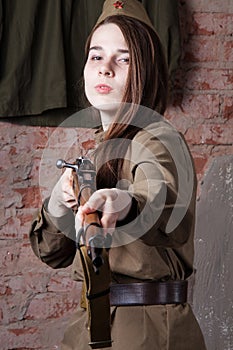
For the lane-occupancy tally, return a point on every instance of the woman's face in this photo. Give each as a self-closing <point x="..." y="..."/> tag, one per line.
<point x="106" y="69"/>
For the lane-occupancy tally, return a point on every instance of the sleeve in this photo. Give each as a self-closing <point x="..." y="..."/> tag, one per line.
<point x="53" y="239"/>
<point x="163" y="185"/>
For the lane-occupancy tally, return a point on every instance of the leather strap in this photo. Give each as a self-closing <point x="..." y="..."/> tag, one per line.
<point x="149" y="293"/>
<point x="96" y="299"/>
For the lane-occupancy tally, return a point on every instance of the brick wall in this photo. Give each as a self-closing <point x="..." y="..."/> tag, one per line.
<point x="36" y="301"/>
<point x="202" y="101"/>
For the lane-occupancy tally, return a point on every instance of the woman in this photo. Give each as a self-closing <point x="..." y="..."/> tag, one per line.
<point x="145" y="191"/>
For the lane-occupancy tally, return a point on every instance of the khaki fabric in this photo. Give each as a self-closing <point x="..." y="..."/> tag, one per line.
<point x="42" y="54"/>
<point x="42" y="48"/>
<point x="143" y="249"/>
<point x="164" y="15"/>
<point x="130" y="8"/>
<point x="158" y="327"/>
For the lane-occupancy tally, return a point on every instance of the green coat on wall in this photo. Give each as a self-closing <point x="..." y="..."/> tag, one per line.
<point x="42" y="50"/>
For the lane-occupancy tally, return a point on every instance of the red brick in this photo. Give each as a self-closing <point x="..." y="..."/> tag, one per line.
<point x="25" y="216"/>
<point x="212" y="134"/>
<point x="31" y="138"/>
<point x="31" y="197"/>
<point x="27" y="261"/>
<point x="218" y="150"/>
<point x="223" y="23"/>
<point x="8" y="133"/>
<point x="34" y="171"/>
<point x="202" y="49"/>
<point x="5" y="163"/>
<point x="27" y="282"/>
<point x="207" y="105"/>
<point x="3" y="219"/>
<point x="89" y="144"/>
<point x="62" y="138"/>
<point x="16" y="222"/>
<point x="184" y="115"/>
<point x="1" y="315"/>
<point x="228" y="107"/>
<point x="210" y="6"/>
<point x="17" y="256"/>
<point x="61" y="283"/>
<point x="20" y="331"/>
<point x="50" y="305"/>
<point x="11" y="229"/>
<point x="227" y="50"/>
<point x="13" y="307"/>
<point x="209" y="79"/>
<point x="217" y="24"/>
<point x="9" y="255"/>
<point x="200" y="163"/>
<point x="203" y="24"/>
<point x="13" y="198"/>
<point x="25" y="335"/>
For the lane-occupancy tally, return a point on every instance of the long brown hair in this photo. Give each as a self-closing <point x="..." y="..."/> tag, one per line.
<point x="147" y="85"/>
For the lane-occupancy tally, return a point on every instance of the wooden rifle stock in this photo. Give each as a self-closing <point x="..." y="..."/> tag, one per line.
<point x="84" y="186"/>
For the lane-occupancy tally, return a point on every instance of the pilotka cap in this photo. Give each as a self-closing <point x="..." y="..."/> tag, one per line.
<point x="130" y="8"/>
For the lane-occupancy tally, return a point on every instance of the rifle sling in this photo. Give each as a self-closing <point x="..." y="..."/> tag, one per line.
<point x="96" y="300"/>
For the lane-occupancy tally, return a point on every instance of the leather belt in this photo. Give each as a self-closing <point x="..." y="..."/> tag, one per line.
<point x="148" y="293"/>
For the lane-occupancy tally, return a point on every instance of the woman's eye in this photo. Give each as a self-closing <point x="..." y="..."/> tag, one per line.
<point x="124" y="60"/>
<point x="96" y="58"/>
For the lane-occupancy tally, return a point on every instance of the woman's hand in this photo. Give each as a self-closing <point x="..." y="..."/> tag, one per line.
<point x="62" y="197"/>
<point x="113" y="203"/>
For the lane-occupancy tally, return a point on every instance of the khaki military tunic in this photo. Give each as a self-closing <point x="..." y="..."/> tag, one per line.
<point x="157" y="244"/>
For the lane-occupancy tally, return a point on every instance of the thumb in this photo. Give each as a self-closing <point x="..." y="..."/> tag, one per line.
<point x="79" y="221"/>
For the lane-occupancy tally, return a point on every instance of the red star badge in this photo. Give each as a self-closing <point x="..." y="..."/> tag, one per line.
<point x="118" y="4"/>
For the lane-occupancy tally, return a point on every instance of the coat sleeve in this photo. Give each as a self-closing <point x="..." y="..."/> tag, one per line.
<point x="53" y="239"/>
<point x="163" y="184"/>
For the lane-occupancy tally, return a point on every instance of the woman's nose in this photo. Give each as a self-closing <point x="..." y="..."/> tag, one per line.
<point x="106" y="70"/>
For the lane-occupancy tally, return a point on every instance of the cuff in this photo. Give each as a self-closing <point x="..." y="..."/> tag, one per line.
<point x="132" y="214"/>
<point x="64" y="224"/>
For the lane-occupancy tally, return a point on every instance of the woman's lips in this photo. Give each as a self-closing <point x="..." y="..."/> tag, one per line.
<point x="103" y="88"/>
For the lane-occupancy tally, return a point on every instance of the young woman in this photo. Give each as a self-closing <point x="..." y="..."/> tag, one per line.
<point x="145" y="191"/>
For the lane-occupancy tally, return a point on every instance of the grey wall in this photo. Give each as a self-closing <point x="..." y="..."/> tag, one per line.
<point x="213" y="287"/>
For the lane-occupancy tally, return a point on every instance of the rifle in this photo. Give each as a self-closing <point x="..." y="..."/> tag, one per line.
<point x="94" y="257"/>
<point x="84" y="176"/>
